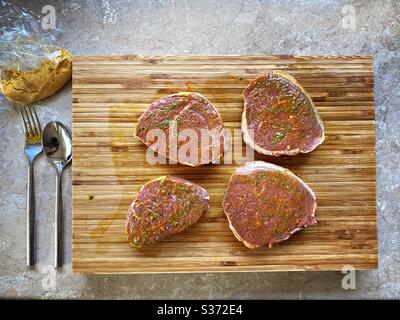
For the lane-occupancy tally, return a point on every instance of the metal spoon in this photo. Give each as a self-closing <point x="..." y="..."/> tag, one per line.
<point x="57" y="146"/>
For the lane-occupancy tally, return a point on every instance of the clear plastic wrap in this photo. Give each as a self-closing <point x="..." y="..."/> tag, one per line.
<point x="24" y="43"/>
<point x="31" y="66"/>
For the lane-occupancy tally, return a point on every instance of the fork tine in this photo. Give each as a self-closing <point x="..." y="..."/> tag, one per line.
<point x="30" y="120"/>
<point x="20" y="109"/>
<point x="36" y="121"/>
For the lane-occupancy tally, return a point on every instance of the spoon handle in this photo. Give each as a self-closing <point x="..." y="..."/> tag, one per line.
<point x="58" y="223"/>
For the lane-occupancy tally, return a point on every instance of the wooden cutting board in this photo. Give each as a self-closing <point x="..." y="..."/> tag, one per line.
<point x="109" y="166"/>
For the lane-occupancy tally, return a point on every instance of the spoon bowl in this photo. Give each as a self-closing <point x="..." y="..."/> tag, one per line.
<point x="57" y="144"/>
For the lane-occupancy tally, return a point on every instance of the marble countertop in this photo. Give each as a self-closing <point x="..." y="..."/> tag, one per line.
<point x="204" y="27"/>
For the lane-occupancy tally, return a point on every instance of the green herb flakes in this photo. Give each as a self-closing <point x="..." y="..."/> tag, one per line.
<point x="278" y="136"/>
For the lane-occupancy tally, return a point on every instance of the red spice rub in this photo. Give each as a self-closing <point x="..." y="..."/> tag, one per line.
<point x="281" y="115"/>
<point x="265" y="204"/>
<point x="180" y="111"/>
<point x="164" y="206"/>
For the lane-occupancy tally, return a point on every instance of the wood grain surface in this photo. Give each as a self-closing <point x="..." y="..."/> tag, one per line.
<point x="109" y="165"/>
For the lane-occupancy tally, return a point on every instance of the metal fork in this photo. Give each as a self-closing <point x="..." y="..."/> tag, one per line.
<point x="33" y="147"/>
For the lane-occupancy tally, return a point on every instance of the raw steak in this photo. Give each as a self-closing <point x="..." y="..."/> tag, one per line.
<point x="164" y="206"/>
<point x="281" y="116"/>
<point x="179" y="112"/>
<point x="266" y="204"/>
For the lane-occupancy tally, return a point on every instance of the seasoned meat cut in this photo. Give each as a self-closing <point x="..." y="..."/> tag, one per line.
<point x="279" y="117"/>
<point x="178" y="114"/>
<point x="164" y="206"/>
<point x="265" y="204"/>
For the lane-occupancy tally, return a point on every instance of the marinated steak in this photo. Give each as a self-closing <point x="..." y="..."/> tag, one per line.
<point x="265" y="204"/>
<point x="279" y="117"/>
<point x="185" y="117"/>
<point x="164" y="206"/>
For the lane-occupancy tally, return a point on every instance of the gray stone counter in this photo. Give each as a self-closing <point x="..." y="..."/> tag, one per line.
<point x="207" y="27"/>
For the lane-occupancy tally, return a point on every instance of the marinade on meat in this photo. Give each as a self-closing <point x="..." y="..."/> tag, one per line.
<point x="279" y="117"/>
<point x="265" y="204"/>
<point x="179" y="112"/>
<point x="164" y="206"/>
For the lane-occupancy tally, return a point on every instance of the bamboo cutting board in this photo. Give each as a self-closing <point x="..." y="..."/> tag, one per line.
<point x="109" y="166"/>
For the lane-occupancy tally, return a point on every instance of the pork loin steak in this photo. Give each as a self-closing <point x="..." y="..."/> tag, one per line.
<point x="266" y="204"/>
<point x="164" y="206"/>
<point x="279" y="117"/>
<point x="177" y="114"/>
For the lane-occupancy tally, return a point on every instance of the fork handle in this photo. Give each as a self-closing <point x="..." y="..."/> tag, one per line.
<point x="30" y="219"/>
<point x="58" y="222"/>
